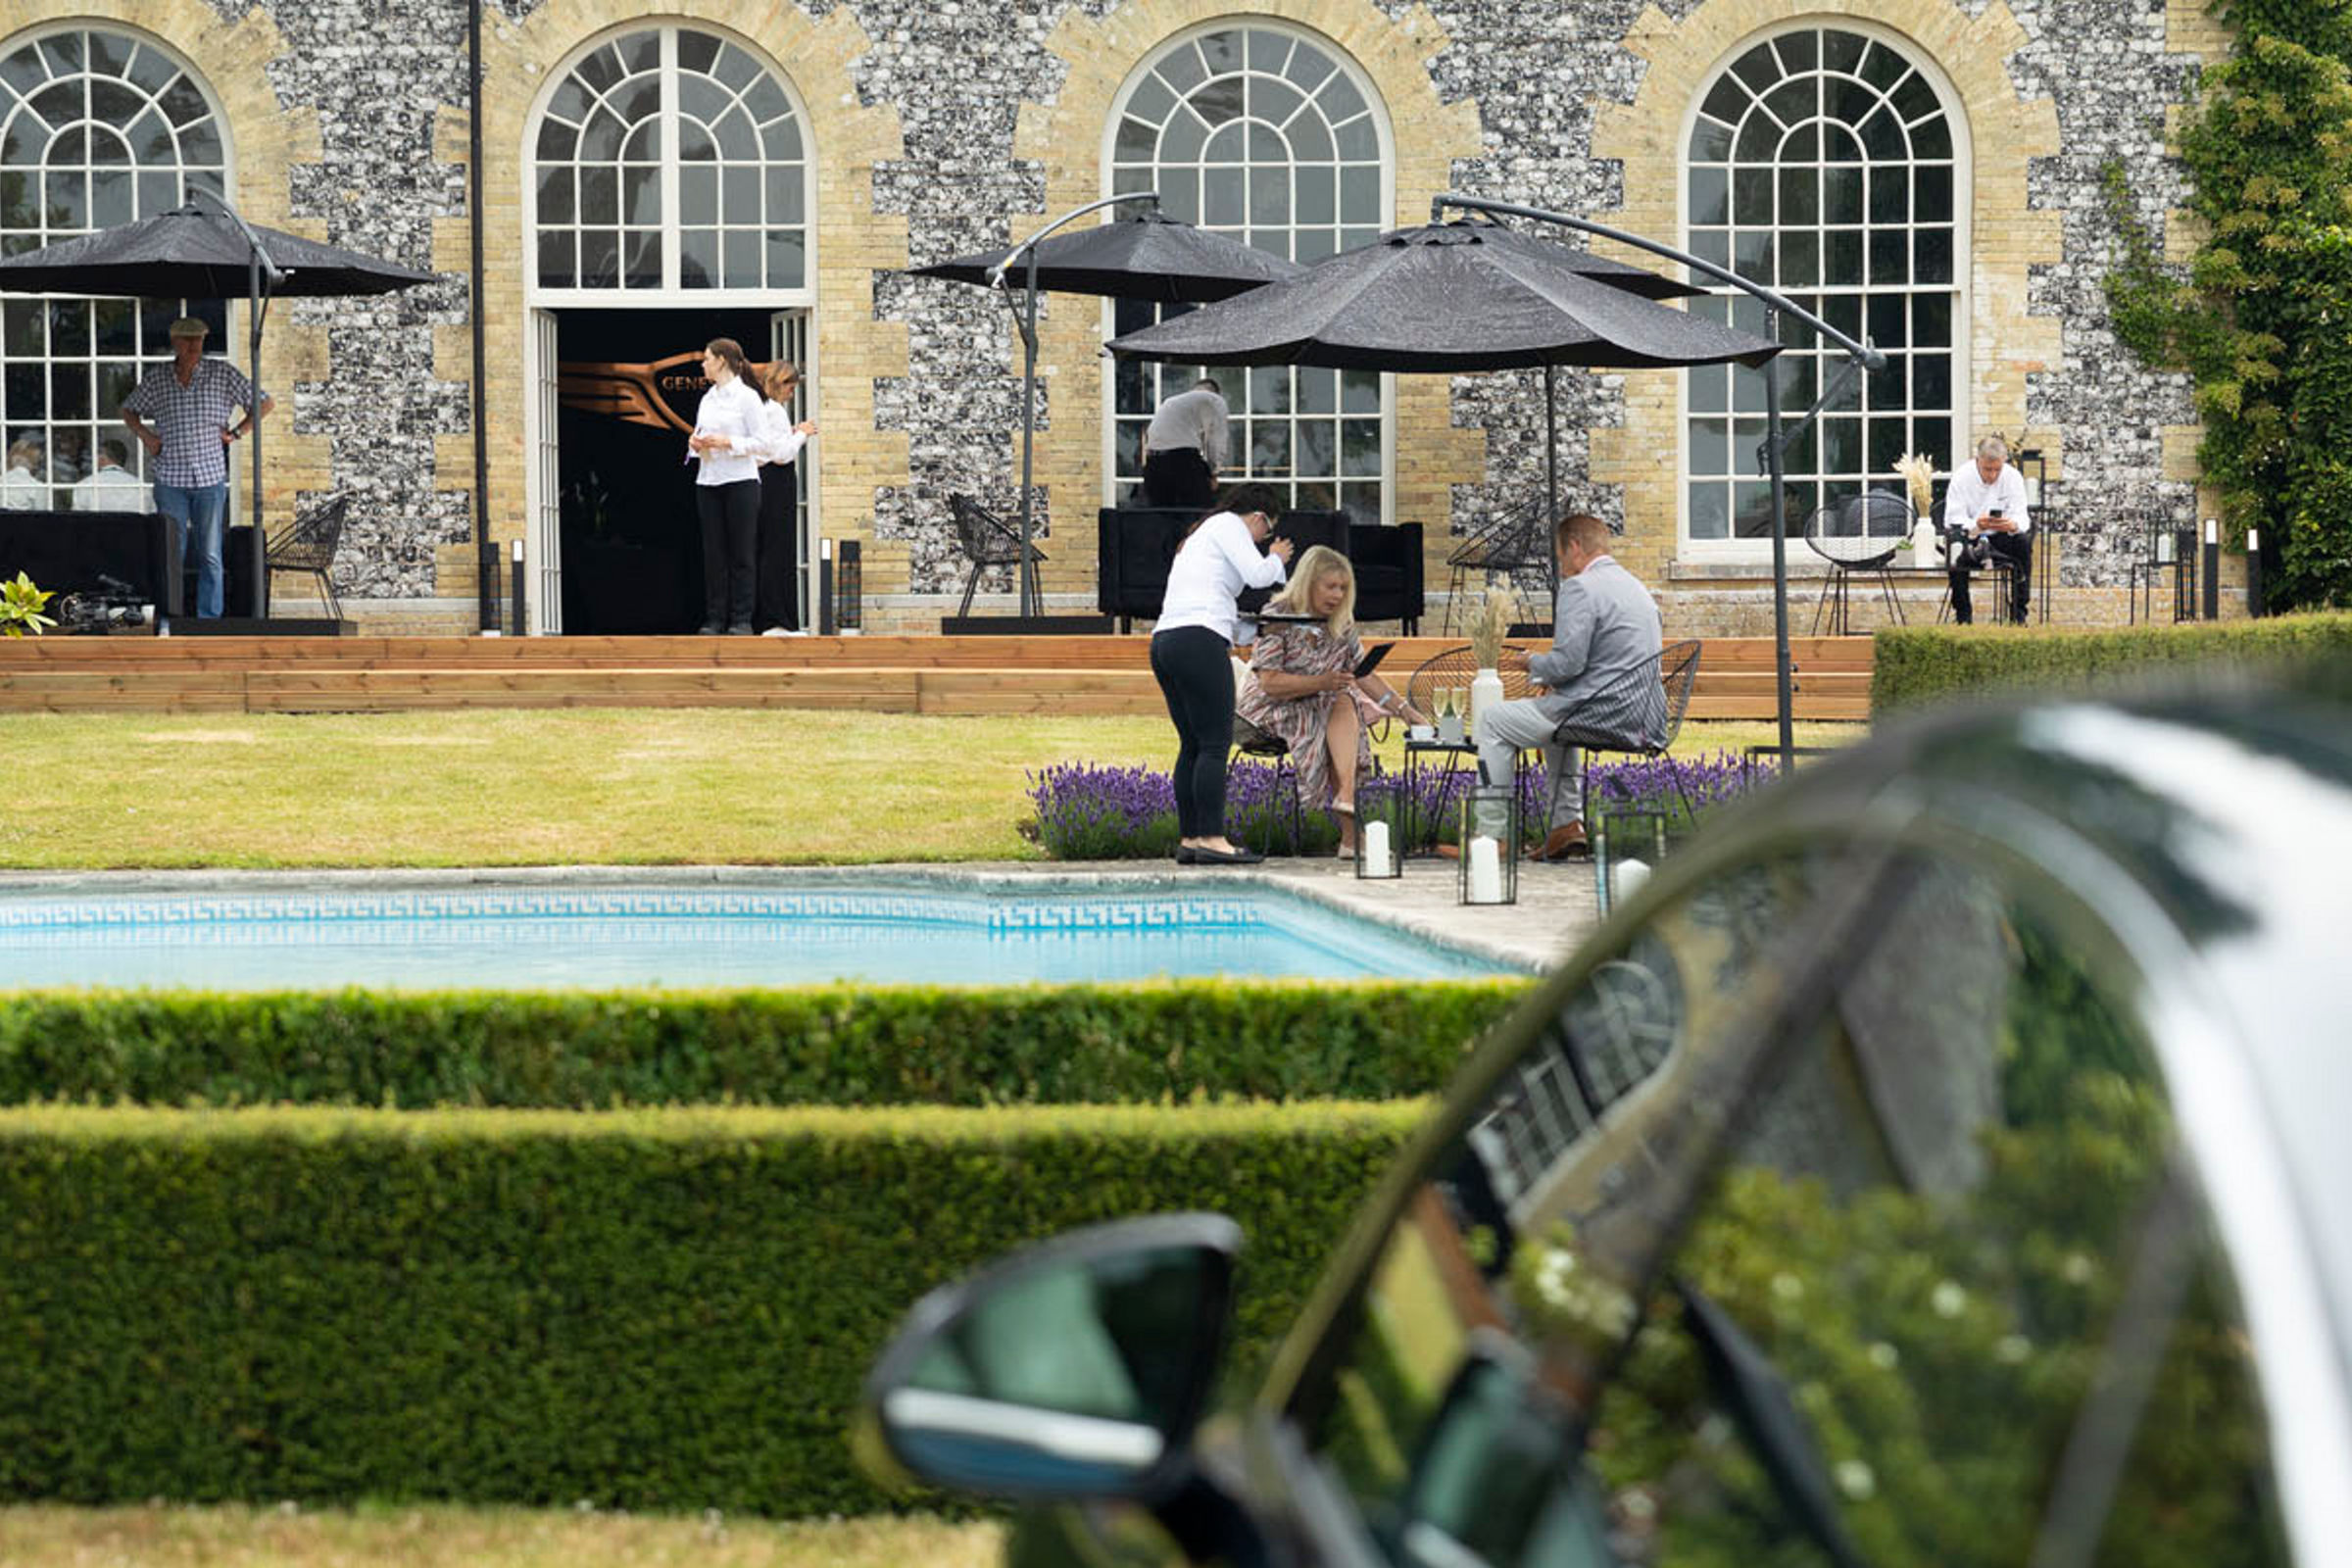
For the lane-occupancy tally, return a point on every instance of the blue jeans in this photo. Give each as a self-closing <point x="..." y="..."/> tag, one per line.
<point x="204" y="507"/>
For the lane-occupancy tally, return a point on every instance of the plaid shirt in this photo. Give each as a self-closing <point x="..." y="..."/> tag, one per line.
<point x="191" y="420"/>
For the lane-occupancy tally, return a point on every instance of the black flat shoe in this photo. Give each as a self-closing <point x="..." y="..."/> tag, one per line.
<point x="1226" y="857"/>
<point x="1186" y="855"/>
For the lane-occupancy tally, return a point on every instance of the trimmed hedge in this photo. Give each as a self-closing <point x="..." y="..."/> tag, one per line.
<point x="836" y="1045"/>
<point x="1913" y="665"/>
<point x="657" y="1310"/>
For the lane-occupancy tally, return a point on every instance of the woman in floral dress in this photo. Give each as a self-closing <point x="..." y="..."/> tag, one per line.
<point x="1301" y="686"/>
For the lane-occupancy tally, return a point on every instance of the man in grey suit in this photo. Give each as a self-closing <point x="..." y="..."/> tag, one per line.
<point x="1604" y="637"/>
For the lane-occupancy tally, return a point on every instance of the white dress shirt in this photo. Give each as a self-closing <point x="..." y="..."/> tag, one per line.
<point x="1969" y="497"/>
<point x="783" y="443"/>
<point x="111" y="489"/>
<point x="1208" y="574"/>
<point x="731" y="410"/>
<point x="20" y="491"/>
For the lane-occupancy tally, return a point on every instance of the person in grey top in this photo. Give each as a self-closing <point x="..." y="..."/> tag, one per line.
<point x="1605" y="632"/>
<point x="1185" y="447"/>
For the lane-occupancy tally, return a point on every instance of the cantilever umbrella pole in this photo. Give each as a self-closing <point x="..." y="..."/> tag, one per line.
<point x="261" y="272"/>
<point x="1777" y="304"/>
<point x="1032" y="598"/>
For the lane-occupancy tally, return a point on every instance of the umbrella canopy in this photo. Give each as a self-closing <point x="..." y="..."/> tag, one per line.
<point x="1617" y="274"/>
<point x="1146" y="256"/>
<point x="1450" y="297"/>
<point x="191" y="252"/>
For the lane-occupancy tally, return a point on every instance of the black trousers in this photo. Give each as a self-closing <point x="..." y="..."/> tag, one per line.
<point x="2013" y="550"/>
<point x="779" y="599"/>
<point x="1195" y="671"/>
<point x="730" y="514"/>
<point x="1179" y="478"/>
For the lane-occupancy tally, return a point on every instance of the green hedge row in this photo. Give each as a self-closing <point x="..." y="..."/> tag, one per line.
<point x="1919" y="665"/>
<point x="657" y="1310"/>
<point x="838" y="1045"/>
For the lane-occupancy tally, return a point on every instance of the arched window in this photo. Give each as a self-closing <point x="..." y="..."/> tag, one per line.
<point x="669" y="159"/>
<point x="1824" y="160"/>
<point x="1271" y="137"/>
<point x="96" y="128"/>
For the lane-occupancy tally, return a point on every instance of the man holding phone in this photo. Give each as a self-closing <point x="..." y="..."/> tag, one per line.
<point x="1986" y="504"/>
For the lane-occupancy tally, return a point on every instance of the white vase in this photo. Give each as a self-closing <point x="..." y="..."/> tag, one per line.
<point x="1485" y="692"/>
<point x="1926" y="549"/>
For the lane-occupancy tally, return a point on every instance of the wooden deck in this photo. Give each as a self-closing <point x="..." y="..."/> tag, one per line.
<point x="967" y="675"/>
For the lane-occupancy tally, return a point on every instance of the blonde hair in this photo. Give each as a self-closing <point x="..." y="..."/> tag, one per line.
<point x="26" y="452"/>
<point x="1319" y="562"/>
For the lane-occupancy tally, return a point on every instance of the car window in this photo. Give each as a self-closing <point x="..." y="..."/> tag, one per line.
<point x="1946" y="1296"/>
<point x="1437" y="1403"/>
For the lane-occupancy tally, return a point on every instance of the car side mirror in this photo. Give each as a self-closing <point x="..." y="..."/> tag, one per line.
<point x="1073" y="1369"/>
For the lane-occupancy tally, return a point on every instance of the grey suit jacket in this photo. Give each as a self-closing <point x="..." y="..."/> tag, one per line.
<point x="1604" y="638"/>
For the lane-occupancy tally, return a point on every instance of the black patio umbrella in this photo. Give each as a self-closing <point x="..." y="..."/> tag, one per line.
<point x="194" y="253"/>
<point x="1452" y="297"/>
<point x="1148" y="256"/>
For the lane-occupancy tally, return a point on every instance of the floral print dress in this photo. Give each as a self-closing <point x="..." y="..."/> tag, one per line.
<point x="1294" y="649"/>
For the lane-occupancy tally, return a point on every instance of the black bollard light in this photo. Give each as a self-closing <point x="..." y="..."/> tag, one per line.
<point x="2211" y="566"/>
<point x="2254" y="573"/>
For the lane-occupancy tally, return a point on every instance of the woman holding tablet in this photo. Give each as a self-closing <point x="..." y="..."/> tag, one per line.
<point x="1310" y="684"/>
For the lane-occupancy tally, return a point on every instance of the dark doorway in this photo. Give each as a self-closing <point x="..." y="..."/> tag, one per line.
<point x="632" y="548"/>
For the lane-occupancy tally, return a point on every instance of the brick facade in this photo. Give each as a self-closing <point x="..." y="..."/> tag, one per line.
<point x="937" y="129"/>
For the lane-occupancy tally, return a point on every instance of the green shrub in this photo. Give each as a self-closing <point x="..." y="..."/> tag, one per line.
<point x="648" y="1309"/>
<point x="835" y="1044"/>
<point x="1913" y="665"/>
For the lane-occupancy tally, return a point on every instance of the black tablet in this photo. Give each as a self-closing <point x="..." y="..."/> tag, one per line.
<point x="1371" y="659"/>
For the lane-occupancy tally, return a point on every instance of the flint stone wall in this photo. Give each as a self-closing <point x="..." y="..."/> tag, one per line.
<point x="957" y="75"/>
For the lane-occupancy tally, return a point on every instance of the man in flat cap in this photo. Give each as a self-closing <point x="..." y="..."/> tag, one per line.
<point x="201" y="407"/>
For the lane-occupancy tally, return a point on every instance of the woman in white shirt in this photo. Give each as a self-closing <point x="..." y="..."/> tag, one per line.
<point x="779" y="610"/>
<point x="1192" y="659"/>
<point x="730" y="440"/>
<point x="20" y="487"/>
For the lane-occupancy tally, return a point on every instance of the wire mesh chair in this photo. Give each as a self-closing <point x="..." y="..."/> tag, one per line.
<point x="309" y="544"/>
<point x="1517" y="539"/>
<point x="987" y="540"/>
<point x="1638" y="716"/>
<point x="1858" y="535"/>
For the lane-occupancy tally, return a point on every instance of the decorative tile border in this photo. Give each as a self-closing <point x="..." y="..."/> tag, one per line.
<point x="1128" y="913"/>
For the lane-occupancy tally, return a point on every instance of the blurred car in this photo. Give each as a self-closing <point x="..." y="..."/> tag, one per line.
<point x="1943" y="1161"/>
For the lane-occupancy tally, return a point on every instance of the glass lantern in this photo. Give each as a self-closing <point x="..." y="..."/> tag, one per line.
<point x="1489" y="842"/>
<point x="1383" y="829"/>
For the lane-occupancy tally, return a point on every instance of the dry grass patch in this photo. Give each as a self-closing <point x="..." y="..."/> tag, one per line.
<point x="38" y="1537"/>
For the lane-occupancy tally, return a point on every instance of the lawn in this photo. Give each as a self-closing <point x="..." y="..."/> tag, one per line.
<point x="581" y="786"/>
<point x="174" y="1537"/>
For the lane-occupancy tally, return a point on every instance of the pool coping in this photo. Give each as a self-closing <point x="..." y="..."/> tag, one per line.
<point x="1408" y="906"/>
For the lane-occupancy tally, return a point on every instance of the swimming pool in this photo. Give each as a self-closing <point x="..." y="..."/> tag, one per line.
<point x="902" y="929"/>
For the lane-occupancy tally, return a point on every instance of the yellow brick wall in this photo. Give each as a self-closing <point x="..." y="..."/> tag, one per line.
<point x="850" y="239"/>
<point x="1067" y="137"/>
<point x="265" y="143"/>
<point x="2003" y="133"/>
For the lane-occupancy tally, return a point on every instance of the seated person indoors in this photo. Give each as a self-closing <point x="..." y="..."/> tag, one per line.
<point x="1988" y="499"/>
<point x="111" y="487"/>
<point x="1301" y="686"/>
<point x="21" y="488"/>
<point x="1601" y="669"/>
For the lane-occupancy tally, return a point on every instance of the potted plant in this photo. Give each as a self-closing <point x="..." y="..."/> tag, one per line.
<point x="1920" y="479"/>
<point x="21" y="606"/>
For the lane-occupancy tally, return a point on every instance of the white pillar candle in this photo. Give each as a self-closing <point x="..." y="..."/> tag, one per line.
<point x="1376" y="848"/>
<point x="1630" y="874"/>
<point x="1485" y="870"/>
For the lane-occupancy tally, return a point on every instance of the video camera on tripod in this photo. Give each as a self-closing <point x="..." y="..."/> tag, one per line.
<point x="115" y="606"/>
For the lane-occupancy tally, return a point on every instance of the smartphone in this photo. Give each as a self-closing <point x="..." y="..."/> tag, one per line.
<point x="1371" y="659"/>
<point x="1997" y="512"/>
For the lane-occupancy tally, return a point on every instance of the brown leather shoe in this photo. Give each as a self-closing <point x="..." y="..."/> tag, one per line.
<point x="1450" y="851"/>
<point x="1567" y="841"/>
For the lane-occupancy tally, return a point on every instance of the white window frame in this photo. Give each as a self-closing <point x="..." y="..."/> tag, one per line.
<point x="669" y="294"/>
<point x="145" y="353"/>
<point x="1736" y="550"/>
<point x="1171" y="378"/>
